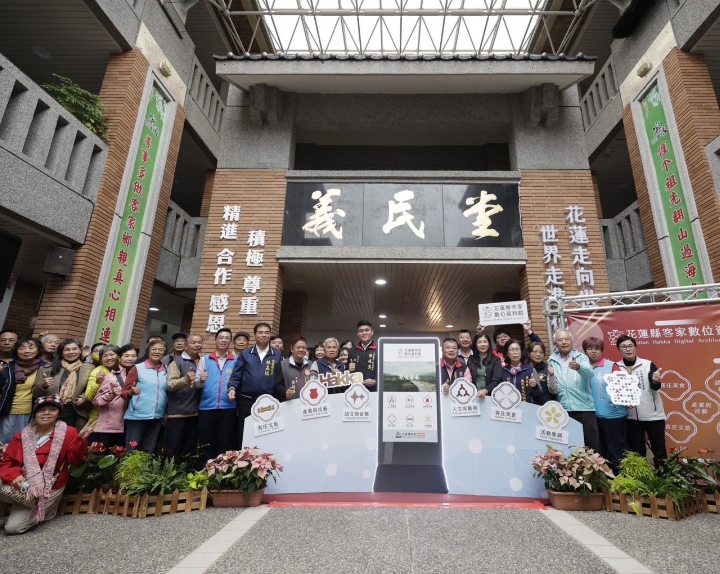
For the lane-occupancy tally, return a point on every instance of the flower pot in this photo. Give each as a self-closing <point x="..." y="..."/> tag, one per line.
<point x="574" y="501"/>
<point x="236" y="498"/>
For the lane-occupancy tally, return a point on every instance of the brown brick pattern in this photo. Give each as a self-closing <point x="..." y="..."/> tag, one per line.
<point x="153" y="255"/>
<point x="23" y="307"/>
<point x="293" y="315"/>
<point x="544" y="195"/>
<point x="207" y="194"/>
<point x="646" y="213"/>
<point x="261" y="195"/>
<point x="67" y="303"/>
<point x="698" y="123"/>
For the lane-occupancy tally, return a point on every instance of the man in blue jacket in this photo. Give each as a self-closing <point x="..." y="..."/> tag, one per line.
<point x="257" y="372"/>
<point x="217" y="414"/>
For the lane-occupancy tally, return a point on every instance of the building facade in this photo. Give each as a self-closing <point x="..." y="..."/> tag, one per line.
<point x="265" y="185"/>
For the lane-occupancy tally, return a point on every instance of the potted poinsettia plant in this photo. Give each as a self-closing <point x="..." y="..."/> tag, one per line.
<point x="239" y="477"/>
<point x="576" y="481"/>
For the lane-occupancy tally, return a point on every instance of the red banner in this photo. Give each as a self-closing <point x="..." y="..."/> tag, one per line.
<point x="683" y="340"/>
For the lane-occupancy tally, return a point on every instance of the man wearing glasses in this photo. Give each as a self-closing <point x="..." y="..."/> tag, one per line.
<point x="649" y="416"/>
<point x="569" y="375"/>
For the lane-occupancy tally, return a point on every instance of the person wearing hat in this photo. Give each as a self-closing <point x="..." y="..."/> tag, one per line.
<point x="241" y="339"/>
<point x="179" y="339"/>
<point x="36" y="462"/>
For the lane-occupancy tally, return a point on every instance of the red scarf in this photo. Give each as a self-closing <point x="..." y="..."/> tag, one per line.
<point x="41" y="480"/>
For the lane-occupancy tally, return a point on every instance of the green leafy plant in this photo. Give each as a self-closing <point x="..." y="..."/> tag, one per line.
<point x="97" y="470"/>
<point x="145" y="473"/>
<point x="675" y="478"/>
<point x="198" y="480"/>
<point x="85" y="106"/>
<point x="247" y="470"/>
<point x="583" y="470"/>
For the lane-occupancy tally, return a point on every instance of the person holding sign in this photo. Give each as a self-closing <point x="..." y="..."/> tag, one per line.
<point x="649" y="416"/>
<point x="610" y="417"/>
<point x="485" y="367"/>
<point x="523" y="376"/>
<point x="569" y="376"/>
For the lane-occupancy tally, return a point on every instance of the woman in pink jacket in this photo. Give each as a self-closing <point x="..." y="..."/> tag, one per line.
<point x="110" y="427"/>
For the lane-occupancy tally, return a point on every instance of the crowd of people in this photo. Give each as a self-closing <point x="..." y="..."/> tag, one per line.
<point x="58" y="395"/>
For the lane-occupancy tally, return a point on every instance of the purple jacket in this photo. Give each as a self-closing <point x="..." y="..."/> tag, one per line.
<point x="111" y="407"/>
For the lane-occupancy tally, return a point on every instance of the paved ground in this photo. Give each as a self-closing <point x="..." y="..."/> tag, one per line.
<point x="691" y="545"/>
<point x="404" y="541"/>
<point x="367" y="540"/>
<point x="109" y="544"/>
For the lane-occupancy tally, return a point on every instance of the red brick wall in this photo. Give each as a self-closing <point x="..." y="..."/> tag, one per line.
<point x="544" y="195"/>
<point x="23" y="307"/>
<point x="261" y="195"/>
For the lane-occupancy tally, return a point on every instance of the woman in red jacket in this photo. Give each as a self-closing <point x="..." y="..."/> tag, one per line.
<point x="36" y="462"/>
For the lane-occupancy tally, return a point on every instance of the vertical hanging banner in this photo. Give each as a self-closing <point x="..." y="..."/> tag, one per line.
<point x="128" y="236"/>
<point x="674" y="204"/>
<point x="683" y="341"/>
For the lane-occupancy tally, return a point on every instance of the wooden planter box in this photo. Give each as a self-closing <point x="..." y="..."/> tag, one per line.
<point x="710" y="502"/>
<point x="653" y="506"/>
<point x="115" y="504"/>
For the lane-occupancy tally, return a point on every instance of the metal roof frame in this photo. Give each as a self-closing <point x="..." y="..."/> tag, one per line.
<point x="400" y="27"/>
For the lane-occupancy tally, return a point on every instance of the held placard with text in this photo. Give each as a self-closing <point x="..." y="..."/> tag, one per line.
<point x="684" y="341"/>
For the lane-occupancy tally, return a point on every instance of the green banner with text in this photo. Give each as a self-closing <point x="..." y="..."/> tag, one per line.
<point x="674" y="205"/>
<point x="124" y="259"/>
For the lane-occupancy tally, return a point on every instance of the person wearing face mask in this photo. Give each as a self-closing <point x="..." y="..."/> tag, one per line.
<point x="68" y="377"/>
<point x="145" y="390"/>
<point x="485" y="367"/>
<point x="16" y="385"/>
<point x="92" y="354"/>
<point x="110" y="427"/>
<point x="523" y="376"/>
<point x="181" y="426"/>
<point x="569" y="376"/>
<point x="108" y="363"/>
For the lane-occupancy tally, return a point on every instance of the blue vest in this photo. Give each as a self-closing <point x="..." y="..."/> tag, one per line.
<point x="150" y="404"/>
<point x="214" y="393"/>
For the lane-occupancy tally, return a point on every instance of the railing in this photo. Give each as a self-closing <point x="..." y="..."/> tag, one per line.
<point x="600" y="94"/>
<point x="183" y="234"/>
<point x="182" y="244"/>
<point x="623" y="234"/>
<point x="625" y="250"/>
<point x="35" y="128"/>
<point x="203" y="93"/>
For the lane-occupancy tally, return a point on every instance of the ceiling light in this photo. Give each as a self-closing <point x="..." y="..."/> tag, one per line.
<point x="449" y="326"/>
<point x="382" y="316"/>
<point x="380" y="281"/>
<point x="154" y="308"/>
<point x="383" y="326"/>
<point x="41" y="52"/>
